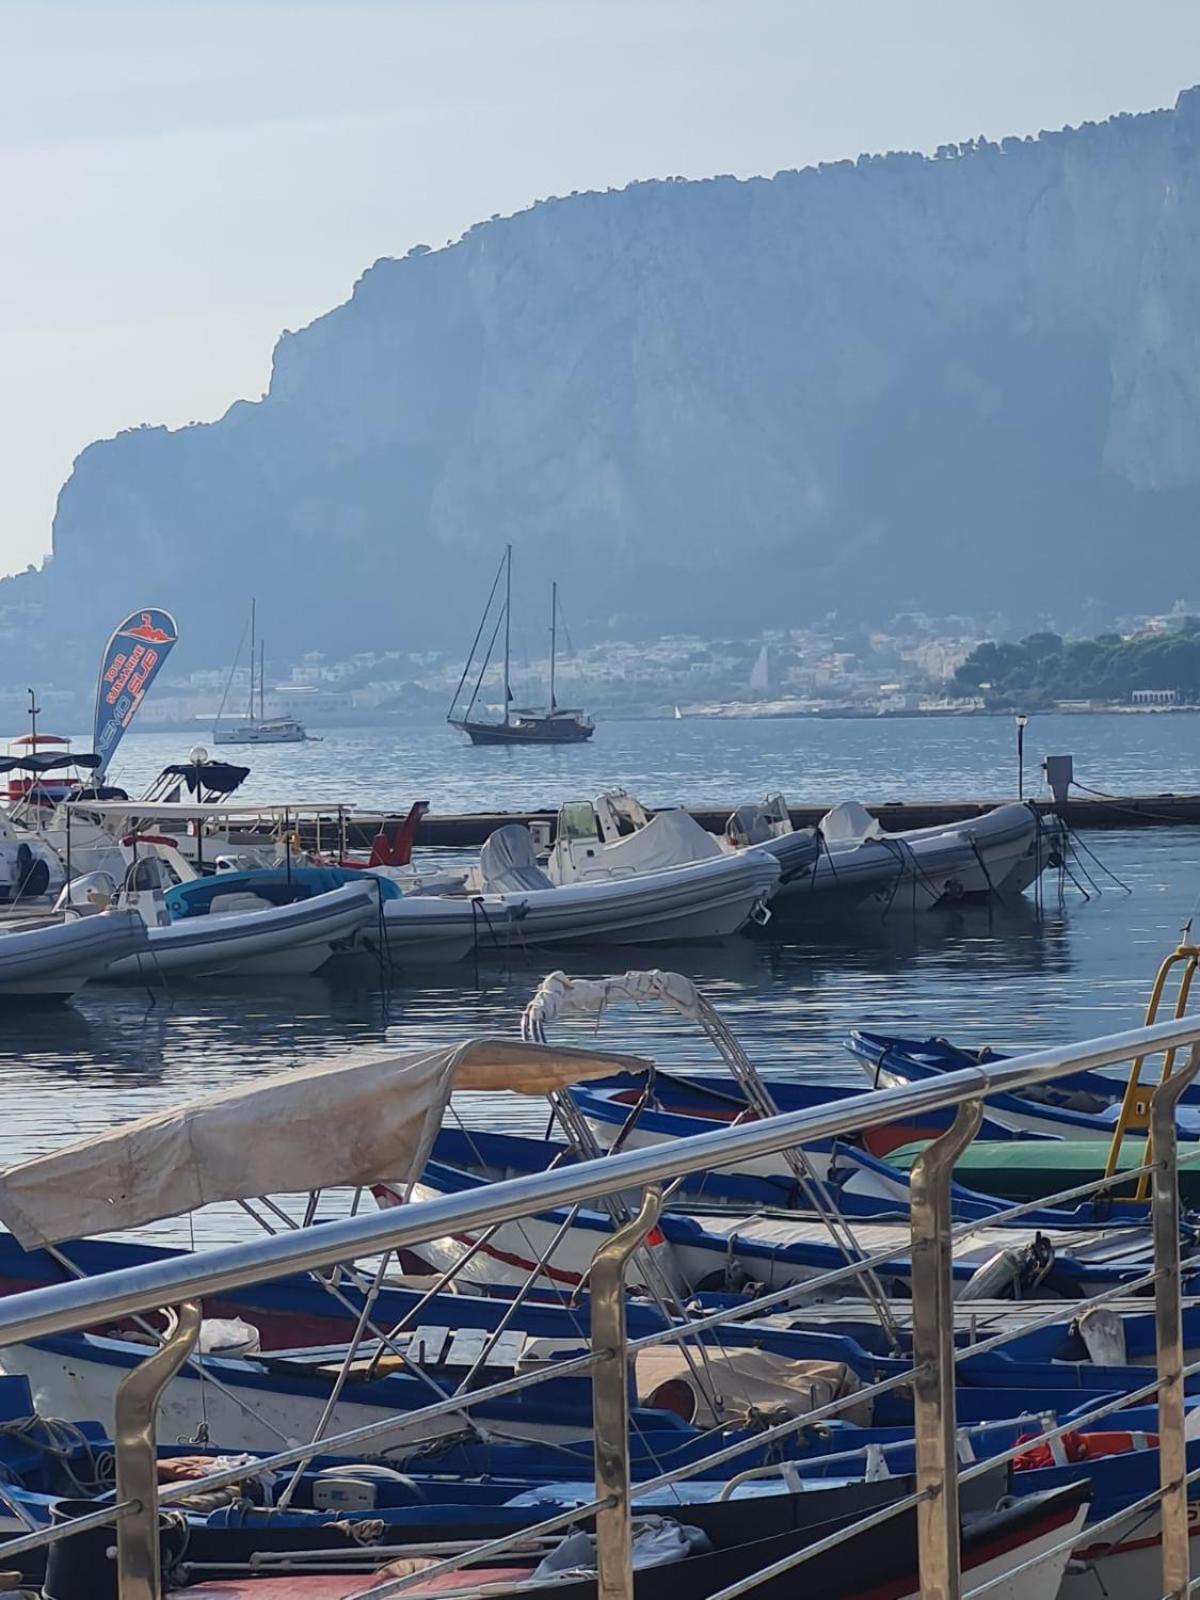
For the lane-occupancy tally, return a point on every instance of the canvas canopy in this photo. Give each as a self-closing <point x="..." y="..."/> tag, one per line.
<point x="337" y="1123"/>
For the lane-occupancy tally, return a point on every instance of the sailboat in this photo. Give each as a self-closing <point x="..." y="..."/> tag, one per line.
<point x="522" y="724"/>
<point x="260" y="729"/>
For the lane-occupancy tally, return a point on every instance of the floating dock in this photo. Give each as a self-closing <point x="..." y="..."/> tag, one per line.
<point x="469" y="830"/>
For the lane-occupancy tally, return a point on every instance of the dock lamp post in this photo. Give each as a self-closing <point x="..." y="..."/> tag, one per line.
<point x="1021" y="722"/>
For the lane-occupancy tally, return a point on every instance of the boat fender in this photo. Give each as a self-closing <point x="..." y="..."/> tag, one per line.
<point x="228" y="1335"/>
<point x="1103" y="1333"/>
<point x="876" y="1467"/>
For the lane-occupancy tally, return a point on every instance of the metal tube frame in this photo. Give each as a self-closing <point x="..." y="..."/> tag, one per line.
<point x="1168" y="1327"/>
<point x="933" y="1357"/>
<point x="135" y="1412"/>
<point x="610" y="1401"/>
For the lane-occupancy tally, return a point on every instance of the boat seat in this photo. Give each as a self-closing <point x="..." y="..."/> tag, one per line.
<point x="224" y="905"/>
<point x="508" y="861"/>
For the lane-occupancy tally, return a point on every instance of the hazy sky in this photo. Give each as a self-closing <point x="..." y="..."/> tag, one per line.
<point x="182" y="179"/>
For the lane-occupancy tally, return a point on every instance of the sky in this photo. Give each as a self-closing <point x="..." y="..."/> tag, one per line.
<point x="181" y="180"/>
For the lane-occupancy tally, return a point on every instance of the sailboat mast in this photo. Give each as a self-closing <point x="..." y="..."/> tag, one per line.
<point x="252" y="625"/>
<point x="507" y="625"/>
<point x="553" y="637"/>
<point x="262" y="680"/>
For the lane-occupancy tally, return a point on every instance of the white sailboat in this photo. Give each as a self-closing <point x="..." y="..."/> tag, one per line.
<point x="249" y="728"/>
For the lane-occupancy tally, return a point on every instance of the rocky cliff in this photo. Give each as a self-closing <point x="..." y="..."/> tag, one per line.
<point x="953" y="383"/>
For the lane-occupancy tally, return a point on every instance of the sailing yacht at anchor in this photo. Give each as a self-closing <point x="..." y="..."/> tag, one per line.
<point x="260" y="729"/>
<point x="522" y="724"/>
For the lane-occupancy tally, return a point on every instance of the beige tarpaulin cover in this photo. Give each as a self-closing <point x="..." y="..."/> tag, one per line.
<point x="338" y="1123"/>
<point x="745" y="1379"/>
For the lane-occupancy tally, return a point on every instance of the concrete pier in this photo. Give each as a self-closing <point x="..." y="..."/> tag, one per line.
<point x="469" y="830"/>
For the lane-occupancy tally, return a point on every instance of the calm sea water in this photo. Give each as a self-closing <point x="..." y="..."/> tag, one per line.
<point x="1080" y="966"/>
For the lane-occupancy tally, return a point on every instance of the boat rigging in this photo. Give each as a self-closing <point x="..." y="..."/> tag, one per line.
<point x="521" y="724"/>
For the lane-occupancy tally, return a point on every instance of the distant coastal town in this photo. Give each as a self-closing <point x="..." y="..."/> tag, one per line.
<point x="916" y="666"/>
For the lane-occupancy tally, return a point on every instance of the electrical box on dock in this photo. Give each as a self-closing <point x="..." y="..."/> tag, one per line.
<point x="1060" y="775"/>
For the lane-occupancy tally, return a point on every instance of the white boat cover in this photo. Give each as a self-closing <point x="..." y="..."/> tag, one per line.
<point x="849" y="824"/>
<point x="335" y="1123"/>
<point x="508" y="861"/>
<point x="669" y="839"/>
<point x="559" y="995"/>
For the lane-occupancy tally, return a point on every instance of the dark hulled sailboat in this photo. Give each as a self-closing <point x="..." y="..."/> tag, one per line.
<point x="522" y="724"/>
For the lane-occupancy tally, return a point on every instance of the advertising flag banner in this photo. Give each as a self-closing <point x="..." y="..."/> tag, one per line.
<point x="132" y="658"/>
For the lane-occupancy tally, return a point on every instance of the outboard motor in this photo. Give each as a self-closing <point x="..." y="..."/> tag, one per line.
<point x="1011" y="1273"/>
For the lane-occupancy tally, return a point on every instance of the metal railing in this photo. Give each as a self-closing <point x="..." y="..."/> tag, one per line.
<point x="175" y="1281"/>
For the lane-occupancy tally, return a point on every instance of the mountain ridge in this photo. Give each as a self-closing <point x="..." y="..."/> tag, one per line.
<point x="948" y="383"/>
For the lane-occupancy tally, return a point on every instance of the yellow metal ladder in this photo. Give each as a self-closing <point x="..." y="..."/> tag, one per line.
<point x="1135" y="1107"/>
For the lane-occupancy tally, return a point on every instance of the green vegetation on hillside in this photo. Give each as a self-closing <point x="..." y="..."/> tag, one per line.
<point x="1043" y="667"/>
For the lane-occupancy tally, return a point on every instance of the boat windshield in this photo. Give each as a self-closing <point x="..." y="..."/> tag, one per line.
<point x="577" y="822"/>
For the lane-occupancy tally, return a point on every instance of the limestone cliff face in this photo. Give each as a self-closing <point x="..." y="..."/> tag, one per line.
<point x="954" y="383"/>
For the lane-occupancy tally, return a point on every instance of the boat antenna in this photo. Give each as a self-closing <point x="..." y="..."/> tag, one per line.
<point x="553" y="638"/>
<point x="507" y="625"/>
<point x="478" y="635"/>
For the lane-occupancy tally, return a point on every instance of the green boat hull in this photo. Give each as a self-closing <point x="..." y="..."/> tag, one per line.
<point x="1016" y="1169"/>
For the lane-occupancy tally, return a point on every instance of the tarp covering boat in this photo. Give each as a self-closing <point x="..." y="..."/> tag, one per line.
<point x="325" y="1125"/>
<point x="669" y="839"/>
<point x="560" y="995"/>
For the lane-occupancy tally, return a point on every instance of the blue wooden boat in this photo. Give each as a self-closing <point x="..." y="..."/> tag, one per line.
<point x="1083" y="1106"/>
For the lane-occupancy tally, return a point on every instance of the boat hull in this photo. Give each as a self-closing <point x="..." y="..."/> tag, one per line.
<point x="78" y="1377"/>
<point x="279" y="941"/>
<point x="706" y="900"/>
<point x="54" y="961"/>
<point x="703" y="902"/>
<point x="540" y="732"/>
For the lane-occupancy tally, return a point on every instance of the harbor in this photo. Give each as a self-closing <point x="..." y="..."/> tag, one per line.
<point x="600" y="857"/>
<point x="775" y="1333"/>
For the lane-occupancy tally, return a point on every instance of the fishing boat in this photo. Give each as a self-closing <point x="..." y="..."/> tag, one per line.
<point x="802" y="1438"/>
<point x="553" y="724"/>
<point x="254" y="726"/>
<point x="342" y="1520"/>
<point x="1087" y="1107"/>
<point x="1017" y="1551"/>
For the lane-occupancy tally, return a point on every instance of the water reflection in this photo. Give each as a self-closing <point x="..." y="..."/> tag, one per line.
<point x="1010" y="977"/>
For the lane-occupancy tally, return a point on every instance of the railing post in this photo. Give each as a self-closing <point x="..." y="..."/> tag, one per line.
<point x="610" y="1400"/>
<point x="1168" y="1329"/>
<point x="135" y="1411"/>
<point x="933" y="1357"/>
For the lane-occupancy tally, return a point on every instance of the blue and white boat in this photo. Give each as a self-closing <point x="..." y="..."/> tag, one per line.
<point x="1084" y="1106"/>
